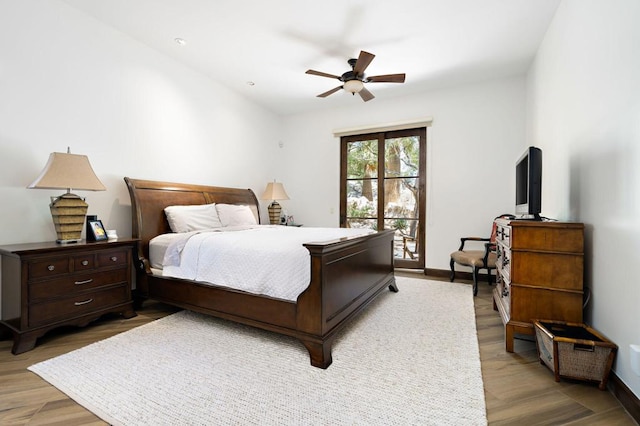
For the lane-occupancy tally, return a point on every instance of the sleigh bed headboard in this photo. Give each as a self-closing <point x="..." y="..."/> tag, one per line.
<point x="149" y="198"/>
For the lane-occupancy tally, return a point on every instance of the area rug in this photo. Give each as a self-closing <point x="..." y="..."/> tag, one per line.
<point x="410" y="358"/>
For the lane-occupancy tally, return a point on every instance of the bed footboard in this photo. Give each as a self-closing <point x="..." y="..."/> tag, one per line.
<point x="346" y="275"/>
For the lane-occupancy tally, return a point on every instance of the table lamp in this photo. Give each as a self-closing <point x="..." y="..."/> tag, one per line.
<point x="67" y="171"/>
<point x="275" y="191"/>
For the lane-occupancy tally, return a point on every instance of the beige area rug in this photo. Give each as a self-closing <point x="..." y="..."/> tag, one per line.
<point x="410" y="358"/>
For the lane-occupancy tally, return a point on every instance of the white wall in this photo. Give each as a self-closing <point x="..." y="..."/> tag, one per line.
<point x="583" y="110"/>
<point x="68" y="80"/>
<point x="477" y="134"/>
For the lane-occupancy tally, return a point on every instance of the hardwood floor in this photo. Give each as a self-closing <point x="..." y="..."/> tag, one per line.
<point x="518" y="389"/>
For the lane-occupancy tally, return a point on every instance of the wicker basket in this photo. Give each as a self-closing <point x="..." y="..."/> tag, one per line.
<point x="574" y="351"/>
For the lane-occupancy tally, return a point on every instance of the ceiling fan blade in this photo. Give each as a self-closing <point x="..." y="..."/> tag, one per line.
<point x="329" y="92"/>
<point x="321" y="74"/>
<point x="388" y="78"/>
<point x="363" y="62"/>
<point x="365" y="94"/>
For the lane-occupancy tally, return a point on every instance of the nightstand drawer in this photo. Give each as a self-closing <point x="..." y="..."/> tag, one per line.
<point x="84" y="262"/>
<point x="77" y="305"/>
<point x="113" y="258"/>
<point x="50" y="267"/>
<point x="75" y="283"/>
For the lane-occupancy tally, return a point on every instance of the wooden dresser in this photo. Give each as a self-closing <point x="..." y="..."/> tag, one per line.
<point x="48" y="285"/>
<point x="540" y="269"/>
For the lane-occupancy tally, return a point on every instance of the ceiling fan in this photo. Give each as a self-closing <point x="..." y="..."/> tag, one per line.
<point x="354" y="80"/>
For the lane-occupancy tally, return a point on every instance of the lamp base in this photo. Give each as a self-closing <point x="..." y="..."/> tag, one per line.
<point x="68" y="212"/>
<point x="274" y="213"/>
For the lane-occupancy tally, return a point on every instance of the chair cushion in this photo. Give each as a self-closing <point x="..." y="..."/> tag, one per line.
<point x="473" y="258"/>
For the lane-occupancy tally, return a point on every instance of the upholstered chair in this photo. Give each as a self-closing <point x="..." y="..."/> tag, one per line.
<point x="479" y="254"/>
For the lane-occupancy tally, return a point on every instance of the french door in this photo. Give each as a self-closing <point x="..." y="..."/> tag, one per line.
<point x="382" y="186"/>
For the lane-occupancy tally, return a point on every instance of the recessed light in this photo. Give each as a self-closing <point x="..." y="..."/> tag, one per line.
<point x="250" y="83"/>
<point x="180" y="41"/>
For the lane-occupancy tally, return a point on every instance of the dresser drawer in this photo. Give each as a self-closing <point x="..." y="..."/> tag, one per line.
<point x="75" y="283"/>
<point x="113" y="258"/>
<point x="76" y="305"/>
<point x="49" y="267"/>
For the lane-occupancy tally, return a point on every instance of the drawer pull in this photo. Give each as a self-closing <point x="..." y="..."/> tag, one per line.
<point x="83" y="282"/>
<point x="51" y="267"/>
<point x="114" y="258"/>
<point x="85" y="262"/>
<point x="83" y="302"/>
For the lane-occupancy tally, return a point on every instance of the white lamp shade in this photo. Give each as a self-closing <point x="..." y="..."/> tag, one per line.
<point x="67" y="171"/>
<point x="274" y="191"/>
<point x="353" y="86"/>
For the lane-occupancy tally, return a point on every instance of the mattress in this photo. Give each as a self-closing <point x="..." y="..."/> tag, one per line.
<point x="157" y="248"/>
<point x="268" y="260"/>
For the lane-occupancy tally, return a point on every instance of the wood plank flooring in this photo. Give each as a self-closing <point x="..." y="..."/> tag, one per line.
<point x="518" y="389"/>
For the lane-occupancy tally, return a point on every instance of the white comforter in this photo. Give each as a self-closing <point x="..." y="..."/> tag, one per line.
<point x="262" y="259"/>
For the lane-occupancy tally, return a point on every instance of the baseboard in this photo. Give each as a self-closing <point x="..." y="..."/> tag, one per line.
<point x="460" y="275"/>
<point x="438" y="273"/>
<point x="628" y="399"/>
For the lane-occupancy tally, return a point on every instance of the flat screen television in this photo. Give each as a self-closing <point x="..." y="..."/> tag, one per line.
<point x="529" y="184"/>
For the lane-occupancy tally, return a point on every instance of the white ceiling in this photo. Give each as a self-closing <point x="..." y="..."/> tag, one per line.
<point x="437" y="43"/>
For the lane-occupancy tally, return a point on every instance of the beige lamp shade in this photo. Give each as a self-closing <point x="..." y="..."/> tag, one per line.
<point x="68" y="171"/>
<point x="274" y="191"/>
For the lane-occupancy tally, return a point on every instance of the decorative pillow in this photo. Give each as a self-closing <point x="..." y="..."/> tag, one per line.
<point x="235" y="214"/>
<point x="192" y="218"/>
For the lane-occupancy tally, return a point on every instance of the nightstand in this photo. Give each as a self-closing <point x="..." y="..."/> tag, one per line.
<point x="48" y="285"/>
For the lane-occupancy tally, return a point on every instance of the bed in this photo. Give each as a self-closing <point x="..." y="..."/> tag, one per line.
<point x="346" y="274"/>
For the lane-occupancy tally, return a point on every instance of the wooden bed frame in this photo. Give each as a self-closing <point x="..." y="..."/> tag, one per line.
<point x="346" y="274"/>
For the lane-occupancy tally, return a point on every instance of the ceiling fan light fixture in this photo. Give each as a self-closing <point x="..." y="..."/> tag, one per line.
<point x="353" y="86"/>
<point x="354" y="80"/>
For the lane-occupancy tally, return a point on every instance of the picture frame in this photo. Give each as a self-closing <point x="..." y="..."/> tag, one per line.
<point x="96" y="231"/>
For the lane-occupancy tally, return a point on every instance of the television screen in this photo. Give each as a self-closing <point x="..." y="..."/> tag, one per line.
<point x="522" y="182"/>
<point x="529" y="184"/>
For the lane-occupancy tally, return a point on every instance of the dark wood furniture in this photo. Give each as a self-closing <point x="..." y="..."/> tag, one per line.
<point x="49" y="285"/>
<point x="540" y="274"/>
<point x="346" y="274"/>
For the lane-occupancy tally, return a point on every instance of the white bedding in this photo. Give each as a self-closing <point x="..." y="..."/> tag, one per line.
<point x="262" y="259"/>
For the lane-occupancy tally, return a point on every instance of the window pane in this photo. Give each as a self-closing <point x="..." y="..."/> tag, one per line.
<point x="362" y="198"/>
<point x="362" y="159"/>
<point x="362" y="223"/>
<point x="404" y="239"/>
<point x="402" y="156"/>
<point x="402" y="226"/>
<point x="401" y="198"/>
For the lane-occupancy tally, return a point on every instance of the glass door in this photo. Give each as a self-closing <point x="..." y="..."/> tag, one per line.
<point x="383" y="187"/>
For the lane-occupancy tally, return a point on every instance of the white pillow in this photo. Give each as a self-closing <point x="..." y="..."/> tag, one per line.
<point x="235" y="214"/>
<point x="192" y="218"/>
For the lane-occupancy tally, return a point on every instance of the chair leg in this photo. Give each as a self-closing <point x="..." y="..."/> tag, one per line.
<point x="453" y="272"/>
<point x="475" y="281"/>
<point x="489" y="276"/>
